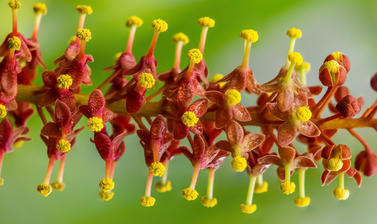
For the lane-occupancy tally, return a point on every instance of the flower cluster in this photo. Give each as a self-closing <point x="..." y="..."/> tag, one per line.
<point x="191" y="106"/>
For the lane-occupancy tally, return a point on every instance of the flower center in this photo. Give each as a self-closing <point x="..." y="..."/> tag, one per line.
<point x="303" y="114"/>
<point x="95" y="124"/>
<point x="233" y="96"/>
<point x="14" y="43"/>
<point x="64" y="81"/>
<point x="63" y="145"/>
<point x="195" y="56"/>
<point x="146" y="80"/>
<point x="189" y="119"/>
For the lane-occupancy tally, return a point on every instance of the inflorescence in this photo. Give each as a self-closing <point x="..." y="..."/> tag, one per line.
<point x="287" y="109"/>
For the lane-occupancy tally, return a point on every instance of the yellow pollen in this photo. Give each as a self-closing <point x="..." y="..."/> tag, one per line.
<point x="304" y="67"/>
<point x="84" y="9"/>
<point x="206" y="22"/>
<point x="248" y="209"/>
<point x="106" y="184"/>
<point x="249" y="35"/>
<point x="332" y="66"/>
<point x="295" y="58"/>
<point x="58" y="186"/>
<point x="73" y="39"/>
<point x="106" y="196"/>
<point x="181" y="37"/>
<point x="341" y="194"/>
<point x="190" y="194"/>
<point x="303" y="114"/>
<point x="134" y="21"/>
<point x="14" y="4"/>
<point x="40" y="8"/>
<point x="14" y="43"/>
<point x="95" y="124"/>
<point x="195" y="55"/>
<point x="189" y="119"/>
<point x="335" y="164"/>
<point x="159" y="25"/>
<point x="217" y="78"/>
<point x="233" y="97"/>
<point x="259" y="189"/>
<point x="157" y="169"/>
<point x="63" y="145"/>
<point x="117" y="56"/>
<point x="288" y="187"/>
<point x="160" y="187"/>
<point x="294" y="33"/>
<point x="146" y="80"/>
<point x="44" y="189"/>
<point x="84" y="34"/>
<point x="18" y="144"/>
<point x="209" y="203"/>
<point x="147" y="201"/>
<point x="302" y="202"/>
<point x="337" y="55"/>
<point x="1" y="181"/>
<point x="64" y="81"/>
<point x="239" y="164"/>
<point x="3" y="111"/>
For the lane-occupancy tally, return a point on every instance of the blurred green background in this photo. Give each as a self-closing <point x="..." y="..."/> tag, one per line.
<point x="341" y="25"/>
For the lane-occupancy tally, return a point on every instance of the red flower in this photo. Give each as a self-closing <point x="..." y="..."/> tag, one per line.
<point x="366" y="162"/>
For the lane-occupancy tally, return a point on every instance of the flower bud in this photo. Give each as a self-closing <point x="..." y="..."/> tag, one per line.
<point x="341" y="92"/>
<point x="349" y="106"/>
<point x="341" y="58"/>
<point x="332" y="73"/>
<point x="366" y="162"/>
<point x="373" y="82"/>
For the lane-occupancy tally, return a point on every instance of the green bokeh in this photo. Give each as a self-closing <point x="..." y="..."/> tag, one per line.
<point x="342" y="25"/>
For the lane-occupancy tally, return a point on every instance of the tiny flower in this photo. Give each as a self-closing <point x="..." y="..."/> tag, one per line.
<point x="84" y="9"/>
<point x="249" y="35"/>
<point x="84" y="34"/>
<point x="159" y="25"/>
<point x="349" y="106"/>
<point x="63" y="145"/>
<point x="332" y="73"/>
<point x="40" y="8"/>
<point x="64" y="81"/>
<point x="206" y="22"/>
<point x="341" y="58"/>
<point x="147" y="201"/>
<point x="366" y="162"/>
<point x="181" y="37"/>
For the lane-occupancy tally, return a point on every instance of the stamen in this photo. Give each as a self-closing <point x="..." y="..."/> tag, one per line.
<point x="158" y="25"/>
<point x="190" y="193"/>
<point x="249" y="207"/>
<point x="181" y="39"/>
<point x="206" y="23"/>
<point x="59" y="185"/>
<point x="157" y="169"/>
<point x="14" y="5"/>
<point x="239" y="163"/>
<point x="164" y="184"/>
<point x="302" y="201"/>
<point x="261" y="186"/>
<point x="195" y="56"/>
<point x="287" y="187"/>
<point x="83" y="10"/>
<point x="233" y="97"/>
<point x="189" y="119"/>
<point x="209" y="201"/>
<point x="45" y="188"/>
<point x="303" y="69"/>
<point x="340" y="193"/>
<point x="146" y="80"/>
<point x="147" y="200"/>
<point x="95" y="124"/>
<point x="39" y="10"/>
<point x="3" y="111"/>
<point x="1" y="166"/>
<point x="133" y="22"/>
<point x="296" y="59"/>
<point x="293" y="34"/>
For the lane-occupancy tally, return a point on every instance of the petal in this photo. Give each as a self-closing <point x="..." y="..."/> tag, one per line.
<point x="224" y="145"/>
<point x="216" y="97"/>
<point x="287" y="154"/>
<point x="308" y="129"/>
<point x="96" y="101"/>
<point x="199" y="107"/>
<point x="252" y="140"/>
<point x="286" y="134"/>
<point x="235" y="133"/>
<point x="240" y="113"/>
<point x="304" y="162"/>
<point x="51" y="130"/>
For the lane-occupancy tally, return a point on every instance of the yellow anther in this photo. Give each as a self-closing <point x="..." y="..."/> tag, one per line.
<point x="84" y="34"/>
<point x="206" y="22"/>
<point x="14" y="43"/>
<point x="209" y="203"/>
<point x="106" y="184"/>
<point x="248" y="209"/>
<point x="341" y="194"/>
<point x="147" y="201"/>
<point x="44" y="189"/>
<point x="189" y="119"/>
<point x="95" y="124"/>
<point x="181" y="37"/>
<point x="294" y="33"/>
<point x="1" y="181"/>
<point x="40" y="8"/>
<point x="73" y="39"/>
<point x="332" y="66"/>
<point x="302" y="202"/>
<point x="84" y="9"/>
<point x="160" y="187"/>
<point x="190" y="194"/>
<point x="64" y="81"/>
<point x="249" y="35"/>
<point x="216" y="77"/>
<point x="233" y="97"/>
<point x="3" y="111"/>
<point x="259" y="189"/>
<point x="14" y="4"/>
<point x="337" y="55"/>
<point x="134" y="21"/>
<point x="18" y="144"/>
<point x="159" y="25"/>
<point x="157" y="169"/>
<point x="117" y="56"/>
<point x="146" y="80"/>
<point x="58" y="186"/>
<point x="295" y="58"/>
<point x="335" y="164"/>
<point x="195" y="55"/>
<point x="63" y="145"/>
<point x="106" y="196"/>
<point x="303" y="114"/>
<point x="239" y="164"/>
<point x="304" y="67"/>
<point x="288" y="187"/>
